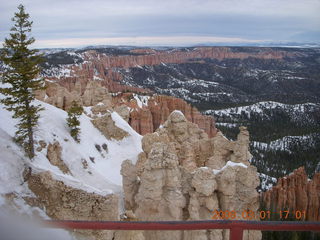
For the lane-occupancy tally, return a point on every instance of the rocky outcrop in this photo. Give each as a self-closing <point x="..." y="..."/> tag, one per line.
<point x="94" y="93"/>
<point x="184" y="175"/>
<point x="54" y="157"/>
<point x="59" y="96"/>
<point x="123" y="111"/>
<point x="67" y="203"/>
<point x="89" y="95"/>
<point x="108" y="128"/>
<point x="296" y="192"/>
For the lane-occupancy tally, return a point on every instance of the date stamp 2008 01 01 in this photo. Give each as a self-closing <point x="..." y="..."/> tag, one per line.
<point x="258" y="215"/>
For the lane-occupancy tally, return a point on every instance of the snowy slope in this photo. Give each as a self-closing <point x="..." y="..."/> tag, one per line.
<point x="102" y="175"/>
<point x="12" y="163"/>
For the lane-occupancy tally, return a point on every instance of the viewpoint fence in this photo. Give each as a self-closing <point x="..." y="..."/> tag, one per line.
<point x="236" y="227"/>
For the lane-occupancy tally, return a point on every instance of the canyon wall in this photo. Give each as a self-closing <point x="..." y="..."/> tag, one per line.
<point x="295" y="192"/>
<point x="102" y="67"/>
<point x="154" y="57"/>
<point x="184" y="175"/>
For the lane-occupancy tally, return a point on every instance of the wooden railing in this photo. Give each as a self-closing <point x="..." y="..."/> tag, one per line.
<point x="236" y="227"/>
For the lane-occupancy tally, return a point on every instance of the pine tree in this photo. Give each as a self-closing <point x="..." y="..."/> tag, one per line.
<point x="20" y="79"/>
<point x="74" y="113"/>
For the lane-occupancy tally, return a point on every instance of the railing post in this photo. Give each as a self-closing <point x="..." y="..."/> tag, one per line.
<point x="236" y="233"/>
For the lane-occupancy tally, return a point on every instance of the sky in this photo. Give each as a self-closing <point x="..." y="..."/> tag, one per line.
<point x="79" y="23"/>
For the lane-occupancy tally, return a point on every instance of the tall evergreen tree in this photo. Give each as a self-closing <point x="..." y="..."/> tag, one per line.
<point x="73" y="120"/>
<point x="20" y="79"/>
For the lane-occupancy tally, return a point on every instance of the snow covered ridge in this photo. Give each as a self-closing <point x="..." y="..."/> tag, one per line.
<point x="299" y="113"/>
<point x="48" y="51"/>
<point x="286" y="142"/>
<point x="90" y="169"/>
<point x="260" y="107"/>
<point x="62" y="63"/>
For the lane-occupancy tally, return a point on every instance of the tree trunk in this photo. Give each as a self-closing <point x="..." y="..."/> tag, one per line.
<point x="30" y="142"/>
<point x="30" y="134"/>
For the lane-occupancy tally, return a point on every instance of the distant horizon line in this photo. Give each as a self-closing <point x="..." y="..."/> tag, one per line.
<point x="287" y="44"/>
<point x="315" y="45"/>
<point x="166" y="41"/>
<point x="273" y="44"/>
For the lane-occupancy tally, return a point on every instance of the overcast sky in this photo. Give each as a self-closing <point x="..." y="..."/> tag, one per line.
<point x="74" y="23"/>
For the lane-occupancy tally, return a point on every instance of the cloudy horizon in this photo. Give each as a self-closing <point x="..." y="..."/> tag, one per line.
<point x="78" y="23"/>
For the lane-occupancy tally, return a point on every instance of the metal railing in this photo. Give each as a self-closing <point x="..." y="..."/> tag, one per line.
<point x="236" y="227"/>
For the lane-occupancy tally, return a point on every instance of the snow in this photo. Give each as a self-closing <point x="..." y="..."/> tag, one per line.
<point x="266" y="181"/>
<point x="11" y="165"/>
<point x="48" y="51"/>
<point x="197" y="82"/>
<point x="178" y="111"/>
<point x="141" y="100"/>
<point x="128" y="148"/>
<point x="229" y="125"/>
<point x="96" y="78"/>
<point x="229" y="164"/>
<point x="88" y="111"/>
<point x="58" y="72"/>
<point x="205" y="168"/>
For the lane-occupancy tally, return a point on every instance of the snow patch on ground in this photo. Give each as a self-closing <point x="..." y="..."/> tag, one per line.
<point x="229" y="164"/>
<point x="178" y="111"/>
<point x="96" y="78"/>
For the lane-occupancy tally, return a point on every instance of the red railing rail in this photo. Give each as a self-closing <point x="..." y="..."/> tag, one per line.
<point x="236" y="227"/>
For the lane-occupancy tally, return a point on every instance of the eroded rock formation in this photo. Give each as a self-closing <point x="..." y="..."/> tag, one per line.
<point x="184" y="175"/>
<point x="296" y="192"/>
<point x="54" y="157"/>
<point x="87" y="95"/>
<point x="149" y="117"/>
